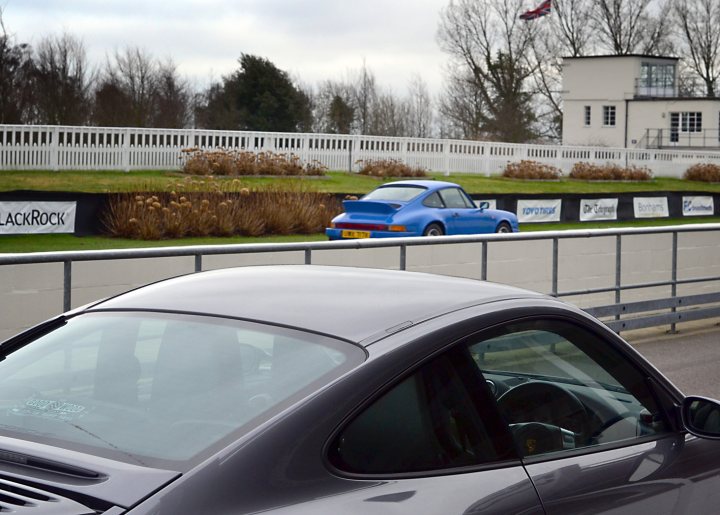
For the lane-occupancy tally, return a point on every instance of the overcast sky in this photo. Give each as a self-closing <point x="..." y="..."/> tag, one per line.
<point x="312" y="40"/>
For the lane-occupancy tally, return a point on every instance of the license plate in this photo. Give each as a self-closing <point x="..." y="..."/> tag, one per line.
<point x="355" y="234"/>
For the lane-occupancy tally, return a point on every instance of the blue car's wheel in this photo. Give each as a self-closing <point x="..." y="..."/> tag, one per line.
<point x="433" y="230"/>
<point x="503" y="227"/>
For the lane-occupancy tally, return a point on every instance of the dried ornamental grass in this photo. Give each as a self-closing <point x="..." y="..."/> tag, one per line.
<point x="609" y="172"/>
<point x="705" y="172"/>
<point x="213" y="208"/>
<point x="389" y="168"/>
<point x="240" y="162"/>
<point x="531" y="170"/>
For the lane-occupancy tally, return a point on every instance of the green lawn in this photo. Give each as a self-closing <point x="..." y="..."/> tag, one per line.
<point x="333" y="182"/>
<point x="58" y="242"/>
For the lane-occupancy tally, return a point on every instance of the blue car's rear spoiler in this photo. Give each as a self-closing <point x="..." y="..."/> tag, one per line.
<point x="370" y="206"/>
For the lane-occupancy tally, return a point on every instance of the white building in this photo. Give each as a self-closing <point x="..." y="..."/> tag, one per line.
<point x="633" y="101"/>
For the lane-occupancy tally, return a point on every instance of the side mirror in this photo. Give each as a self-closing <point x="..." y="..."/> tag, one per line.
<point x="483" y="205"/>
<point x="701" y="416"/>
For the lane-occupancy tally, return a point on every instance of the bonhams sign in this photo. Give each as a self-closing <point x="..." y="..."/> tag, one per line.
<point x="37" y="217"/>
<point x="651" y="207"/>
<point x="598" y="209"/>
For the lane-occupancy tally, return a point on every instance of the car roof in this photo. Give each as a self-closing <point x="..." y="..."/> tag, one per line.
<point x="431" y="185"/>
<point x="350" y="303"/>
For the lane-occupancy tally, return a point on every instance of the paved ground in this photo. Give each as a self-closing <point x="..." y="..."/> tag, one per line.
<point x="690" y="358"/>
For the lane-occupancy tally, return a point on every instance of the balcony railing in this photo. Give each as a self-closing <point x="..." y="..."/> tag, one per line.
<point x="676" y="138"/>
<point x="644" y="90"/>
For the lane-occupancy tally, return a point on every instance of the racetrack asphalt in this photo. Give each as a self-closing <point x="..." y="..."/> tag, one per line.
<point x="690" y="358"/>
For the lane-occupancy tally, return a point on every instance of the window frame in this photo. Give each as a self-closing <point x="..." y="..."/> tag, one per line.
<point x="609" y="116"/>
<point x="587" y="116"/>
<point x="468" y="204"/>
<point x="656" y="386"/>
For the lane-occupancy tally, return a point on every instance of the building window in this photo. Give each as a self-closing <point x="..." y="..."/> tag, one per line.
<point x="685" y="122"/>
<point x="587" y="117"/>
<point x="657" y="76"/>
<point x="609" y="116"/>
<point x="691" y="122"/>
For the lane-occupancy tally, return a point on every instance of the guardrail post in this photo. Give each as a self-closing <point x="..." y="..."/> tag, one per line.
<point x="308" y="257"/>
<point x="484" y="266"/>
<point x="67" y="285"/>
<point x="618" y="270"/>
<point x="555" y="242"/>
<point x="403" y="257"/>
<point x="198" y="262"/>
<point x="673" y="272"/>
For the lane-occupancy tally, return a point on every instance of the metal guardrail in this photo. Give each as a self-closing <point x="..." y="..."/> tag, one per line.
<point x="617" y="310"/>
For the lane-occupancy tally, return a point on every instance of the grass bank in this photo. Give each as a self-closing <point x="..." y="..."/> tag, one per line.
<point x="333" y="182"/>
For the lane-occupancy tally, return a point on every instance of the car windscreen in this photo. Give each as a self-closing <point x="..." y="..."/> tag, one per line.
<point x="157" y="389"/>
<point x="397" y="193"/>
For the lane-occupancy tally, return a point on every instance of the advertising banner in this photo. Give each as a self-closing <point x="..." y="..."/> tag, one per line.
<point x="698" y="206"/>
<point x="540" y="210"/>
<point x="37" y="217"/>
<point x="651" y="207"/>
<point x="598" y="209"/>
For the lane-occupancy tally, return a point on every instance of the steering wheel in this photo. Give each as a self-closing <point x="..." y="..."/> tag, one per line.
<point x="541" y="407"/>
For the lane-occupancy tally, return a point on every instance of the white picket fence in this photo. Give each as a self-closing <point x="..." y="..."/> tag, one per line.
<point x="46" y="147"/>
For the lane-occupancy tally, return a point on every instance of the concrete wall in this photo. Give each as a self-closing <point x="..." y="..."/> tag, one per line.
<point x="30" y="294"/>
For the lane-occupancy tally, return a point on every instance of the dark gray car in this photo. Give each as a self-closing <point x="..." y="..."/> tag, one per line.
<point x="322" y="390"/>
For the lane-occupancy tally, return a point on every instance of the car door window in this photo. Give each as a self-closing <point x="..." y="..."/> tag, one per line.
<point x="454" y="198"/>
<point x="560" y="387"/>
<point x="430" y="421"/>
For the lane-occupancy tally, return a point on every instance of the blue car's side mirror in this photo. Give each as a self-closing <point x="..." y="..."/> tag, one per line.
<point x="701" y="416"/>
<point x="483" y="205"/>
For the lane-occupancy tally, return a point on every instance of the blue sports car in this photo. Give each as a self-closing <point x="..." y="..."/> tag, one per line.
<point x="417" y="208"/>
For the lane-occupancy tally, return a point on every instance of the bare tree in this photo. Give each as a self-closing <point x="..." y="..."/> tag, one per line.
<point x="490" y="44"/>
<point x="333" y="108"/>
<point x="172" y="102"/>
<point x="15" y="74"/>
<point x="567" y="32"/>
<point x="364" y="94"/>
<point x="461" y="108"/>
<point x="127" y="89"/>
<point x="699" y="32"/>
<point x="389" y="115"/>
<point x="629" y="26"/>
<point x="419" y="109"/>
<point x="62" y="81"/>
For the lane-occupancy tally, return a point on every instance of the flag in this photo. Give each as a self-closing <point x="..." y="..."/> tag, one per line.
<point x="541" y="10"/>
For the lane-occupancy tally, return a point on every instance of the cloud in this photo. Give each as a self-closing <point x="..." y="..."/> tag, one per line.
<point x="313" y="40"/>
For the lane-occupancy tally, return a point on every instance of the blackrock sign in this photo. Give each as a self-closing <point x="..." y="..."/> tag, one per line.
<point x="37" y="217"/>
<point x="698" y="206"/>
<point x="598" y="209"/>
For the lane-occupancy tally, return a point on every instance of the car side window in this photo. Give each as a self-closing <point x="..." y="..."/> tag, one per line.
<point x="433" y="201"/>
<point x="454" y="198"/>
<point x="560" y="387"/>
<point x="430" y="421"/>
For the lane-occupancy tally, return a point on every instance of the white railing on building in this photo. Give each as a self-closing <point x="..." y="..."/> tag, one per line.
<point x="46" y="147"/>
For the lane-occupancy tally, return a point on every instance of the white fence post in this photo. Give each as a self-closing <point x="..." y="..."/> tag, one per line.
<point x="54" y="149"/>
